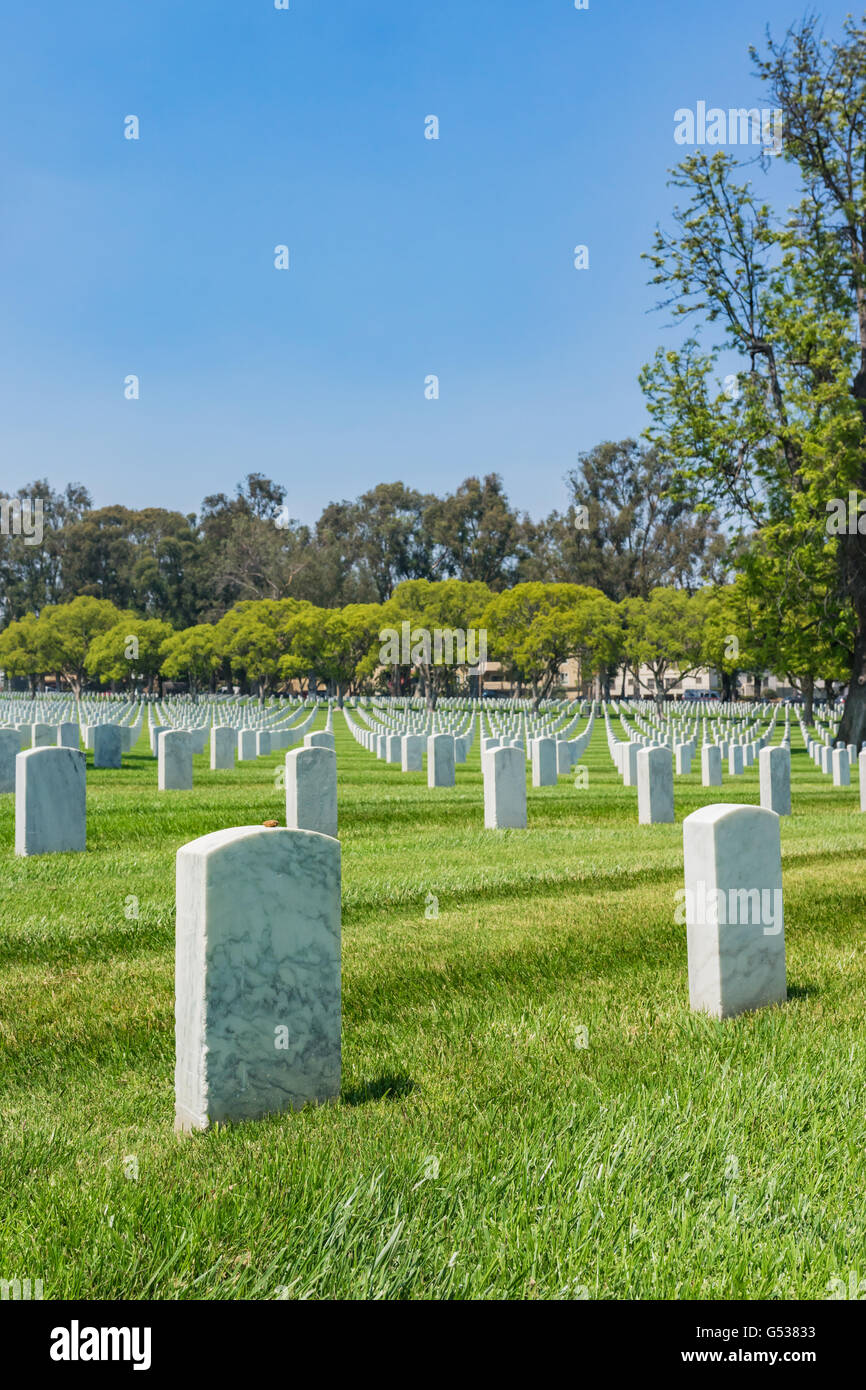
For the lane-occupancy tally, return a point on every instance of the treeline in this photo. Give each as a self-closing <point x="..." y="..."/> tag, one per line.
<point x="622" y="532"/>
<point x="415" y="642"/>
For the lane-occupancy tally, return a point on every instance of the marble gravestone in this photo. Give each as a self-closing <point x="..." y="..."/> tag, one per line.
<point x="311" y="790"/>
<point x="774" y="770"/>
<point x="68" y="735"/>
<point x="544" y="762"/>
<point x="440" y="760"/>
<point x="223" y="741"/>
<point x="50" y="801"/>
<point x="107" y="746"/>
<point x="246" y="745"/>
<point x="711" y="765"/>
<point x="629" y="763"/>
<point x="504" y="789"/>
<point x="413" y="752"/>
<point x="323" y="739"/>
<point x="655" y="786"/>
<point x="10" y="744"/>
<point x="153" y="734"/>
<point x="841" y="768"/>
<point x="257" y="974"/>
<point x="263" y="742"/>
<point x="44" y="735"/>
<point x="174" y="769"/>
<point x="733" y="909"/>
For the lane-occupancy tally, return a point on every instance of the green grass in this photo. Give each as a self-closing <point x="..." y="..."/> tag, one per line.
<point x="477" y="1151"/>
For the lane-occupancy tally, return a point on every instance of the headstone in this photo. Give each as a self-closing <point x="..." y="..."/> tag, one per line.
<point x="735" y="759"/>
<point x="774" y="766"/>
<point x="733" y="909"/>
<point x="154" y="733"/>
<point x="174" y="769"/>
<point x="861" y="765"/>
<point x="544" y="762"/>
<point x="394" y="747"/>
<point x="263" y="743"/>
<point x="440" y="760"/>
<point x="629" y="763"/>
<point x="257" y="976"/>
<point x="711" y="765"/>
<point x="223" y="741"/>
<point x="322" y="739"/>
<point x="655" y="786"/>
<point x="246" y="745"/>
<point x="683" y="754"/>
<point x="43" y="736"/>
<point x="10" y="744"/>
<point x="841" y="768"/>
<point x="413" y="752"/>
<point x="107" y="746"/>
<point x="50" y="801"/>
<point x="505" y="789"/>
<point x="311" y="790"/>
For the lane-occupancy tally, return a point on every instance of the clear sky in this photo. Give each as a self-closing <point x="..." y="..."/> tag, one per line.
<point x="408" y="257"/>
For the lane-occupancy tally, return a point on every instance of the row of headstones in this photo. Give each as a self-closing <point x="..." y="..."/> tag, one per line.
<point x="443" y="751"/>
<point x="837" y="761"/>
<point x="504" y="771"/>
<point x="108" y="742"/>
<point x="258" y="1020"/>
<point x="51" y="791"/>
<point x="189" y="716"/>
<point x="651" y="771"/>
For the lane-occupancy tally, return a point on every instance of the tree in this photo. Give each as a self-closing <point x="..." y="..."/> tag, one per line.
<point x="67" y="633"/>
<point x="191" y="656"/>
<point x="379" y="541"/>
<point x="787" y="437"/>
<point x="31" y="575"/>
<point x="132" y="648"/>
<point x="334" y="643"/>
<point x="624" y="532"/>
<point x="534" y="628"/>
<point x="663" y="631"/>
<point x="443" y="629"/>
<point x="21" y="650"/>
<point x="256" y="634"/>
<point x="479" y="537"/>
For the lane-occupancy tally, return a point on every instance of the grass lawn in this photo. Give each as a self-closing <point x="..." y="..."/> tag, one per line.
<point x="478" y="1150"/>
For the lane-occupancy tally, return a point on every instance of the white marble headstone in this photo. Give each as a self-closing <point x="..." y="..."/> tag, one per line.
<point x="50" y="801"/>
<point x="733" y="909"/>
<point x="257" y="976"/>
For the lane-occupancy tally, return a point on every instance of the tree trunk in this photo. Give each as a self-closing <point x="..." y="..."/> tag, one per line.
<point x="809" y="698"/>
<point x="853" y="726"/>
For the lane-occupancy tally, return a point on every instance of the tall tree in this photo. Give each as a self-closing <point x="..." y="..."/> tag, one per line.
<point x="479" y="536"/>
<point x="786" y="437"/>
<point x="624" y="532"/>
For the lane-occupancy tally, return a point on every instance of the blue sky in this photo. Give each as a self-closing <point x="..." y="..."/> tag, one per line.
<point x="409" y="257"/>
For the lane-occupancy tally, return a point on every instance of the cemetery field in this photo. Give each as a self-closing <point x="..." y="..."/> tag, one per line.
<point x="529" y="1109"/>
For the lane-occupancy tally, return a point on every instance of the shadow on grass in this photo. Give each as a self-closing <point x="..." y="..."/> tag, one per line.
<point x="802" y="991"/>
<point x="387" y="1087"/>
